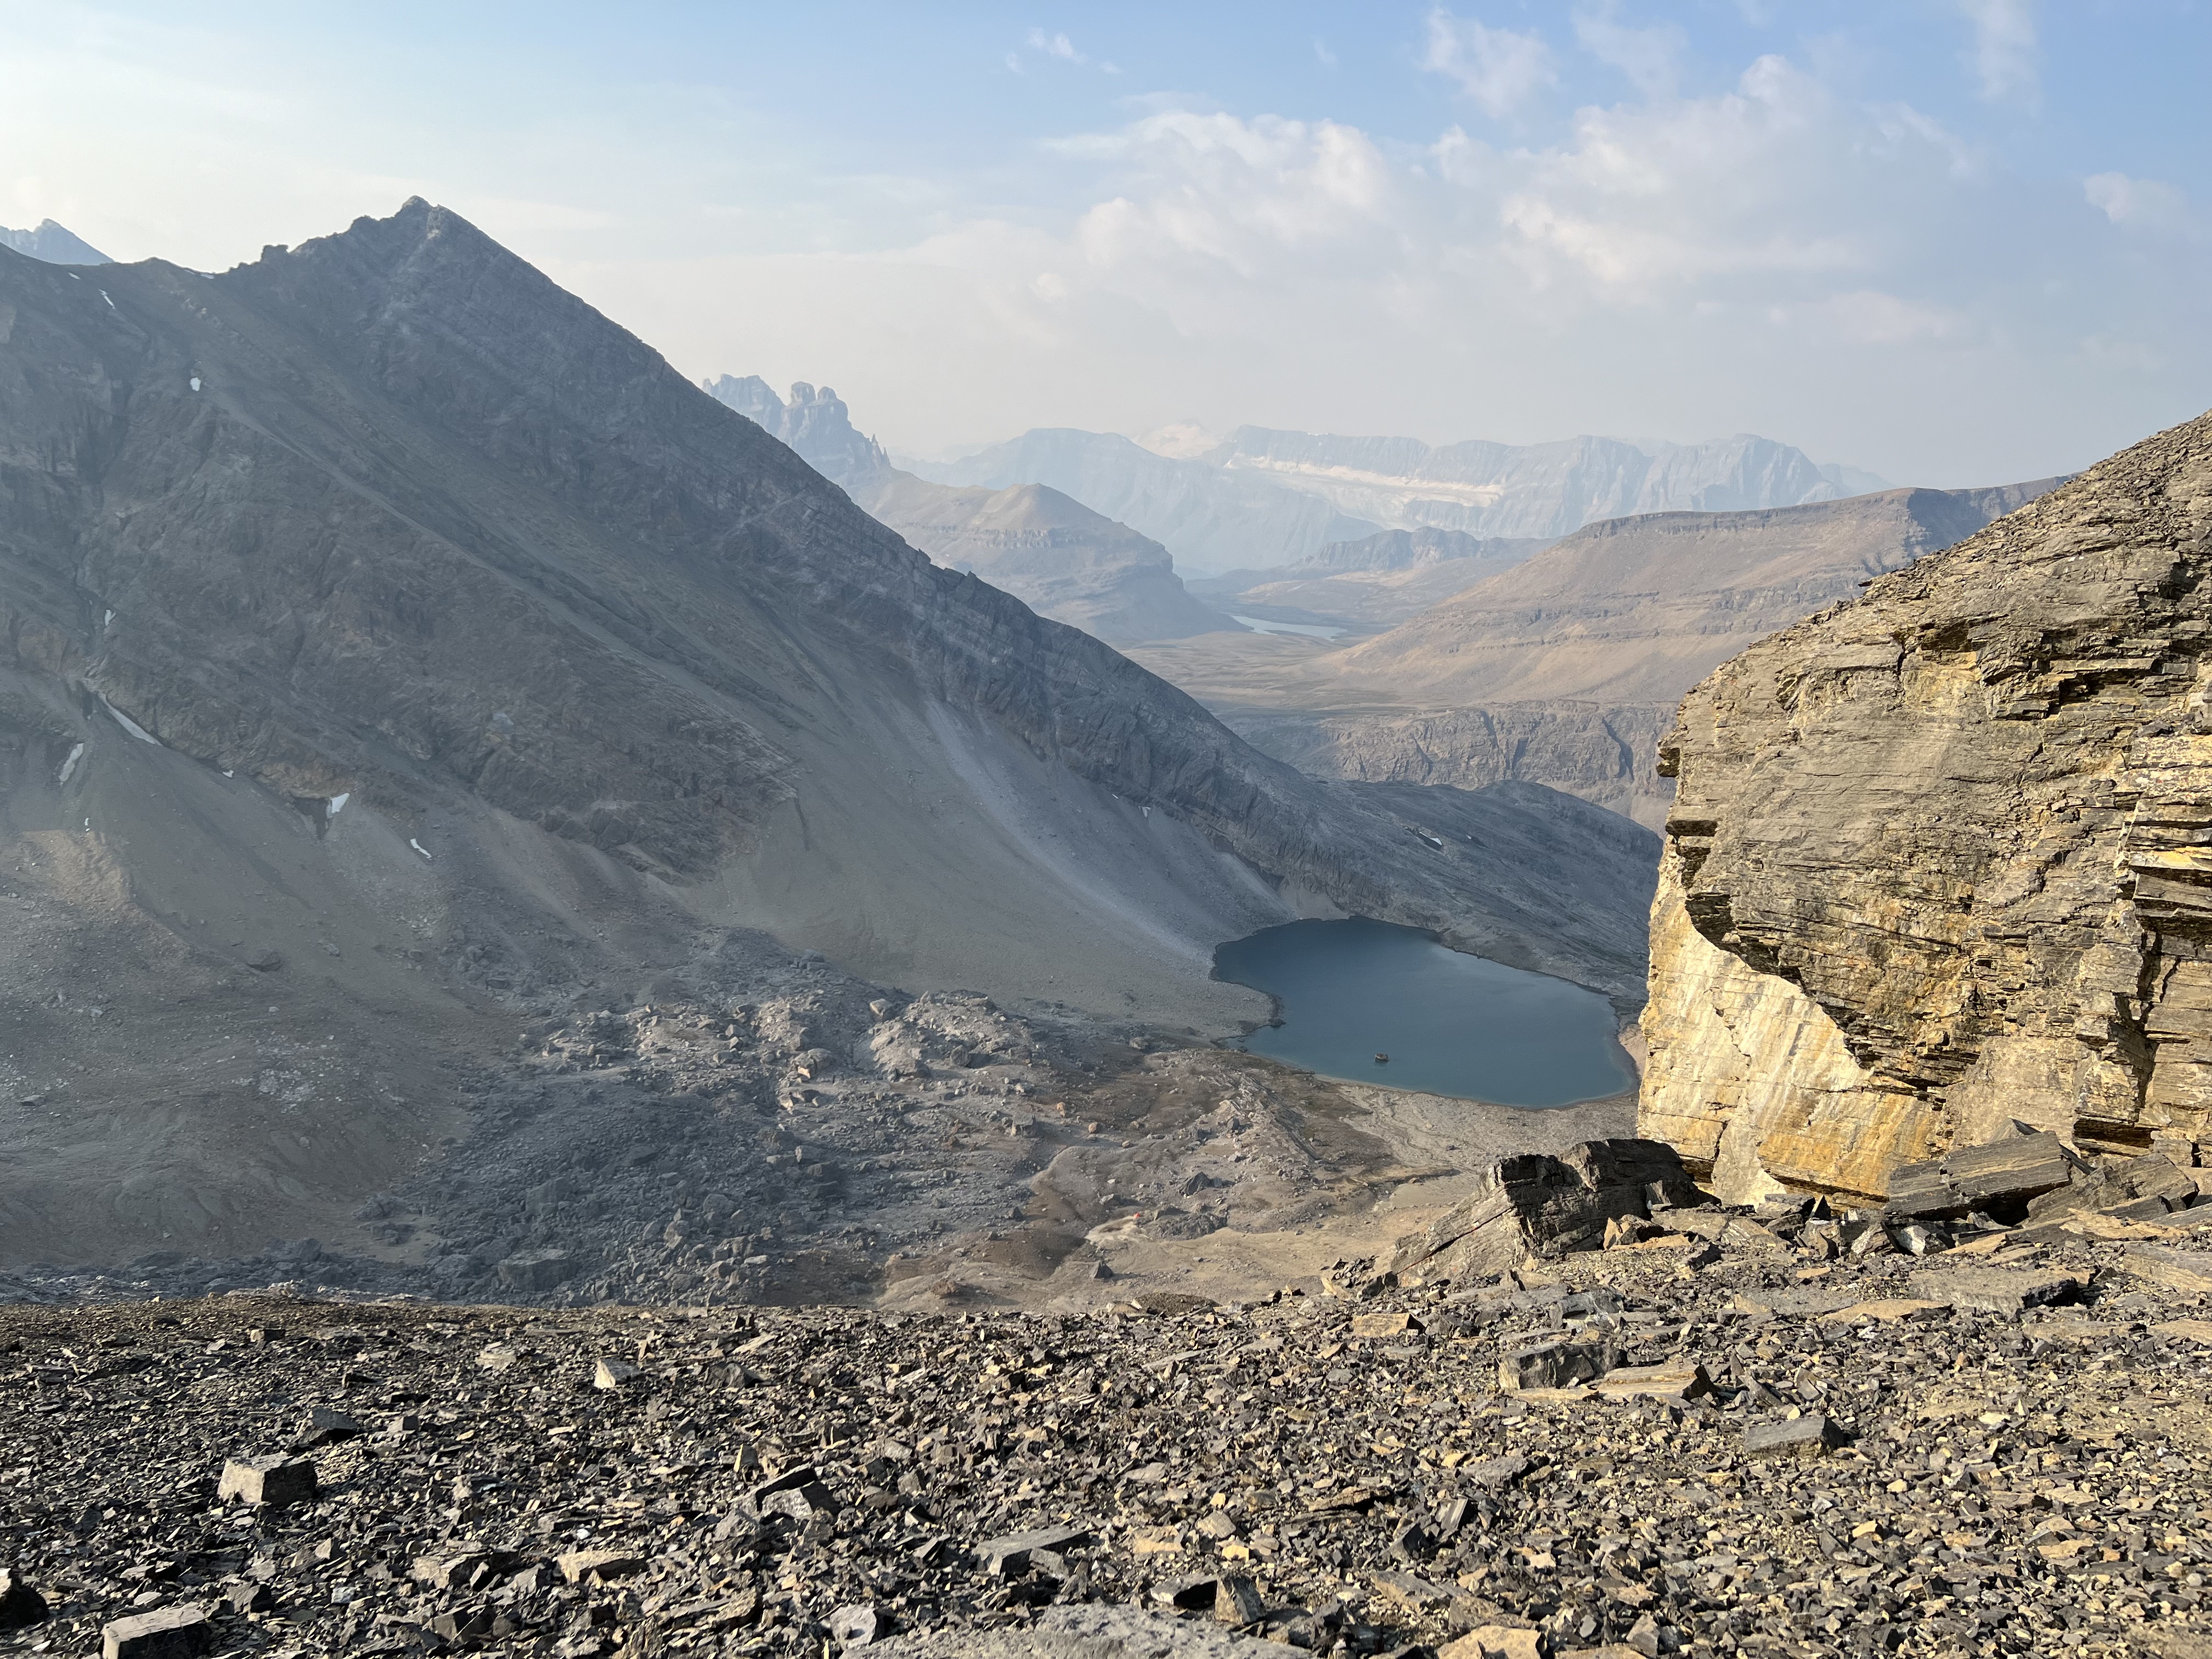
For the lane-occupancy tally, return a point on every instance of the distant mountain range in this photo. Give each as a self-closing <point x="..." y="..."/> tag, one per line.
<point x="1262" y="498"/>
<point x="1561" y="666"/>
<point x="55" y="244"/>
<point x="1046" y="549"/>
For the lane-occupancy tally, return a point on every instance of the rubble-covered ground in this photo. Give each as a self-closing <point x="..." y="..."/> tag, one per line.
<point x="770" y="1129"/>
<point x="2000" y="1448"/>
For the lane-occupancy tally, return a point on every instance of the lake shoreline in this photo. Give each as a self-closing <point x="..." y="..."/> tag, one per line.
<point x="1455" y="1024"/>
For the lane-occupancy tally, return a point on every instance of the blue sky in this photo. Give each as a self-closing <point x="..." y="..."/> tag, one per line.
<point x="1954" y="240"/>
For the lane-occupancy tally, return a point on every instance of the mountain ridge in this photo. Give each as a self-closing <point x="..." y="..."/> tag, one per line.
<point x="53" y="243"/>
<point x="1262" y="497"/>
<point x="1565" y="667"/>
<point x="1045" y="548"/>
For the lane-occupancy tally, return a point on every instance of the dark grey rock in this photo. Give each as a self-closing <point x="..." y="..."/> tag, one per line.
<point x="1558" y="1363"/>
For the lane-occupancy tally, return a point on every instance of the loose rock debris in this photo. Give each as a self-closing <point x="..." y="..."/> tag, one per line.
<point x="1809" y="1471"/>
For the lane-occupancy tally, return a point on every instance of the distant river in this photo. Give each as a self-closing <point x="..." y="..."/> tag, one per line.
<point x="1452" y="1024"/>
<point x="1304" y="630"/>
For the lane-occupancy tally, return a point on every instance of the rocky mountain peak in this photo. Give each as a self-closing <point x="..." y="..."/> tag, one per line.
<point x="815" y="422"/>
<point x="410" y="653"/>
<point x="55" y="244"/>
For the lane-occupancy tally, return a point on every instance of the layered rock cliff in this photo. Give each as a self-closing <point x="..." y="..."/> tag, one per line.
<point x="1941" y="857"/>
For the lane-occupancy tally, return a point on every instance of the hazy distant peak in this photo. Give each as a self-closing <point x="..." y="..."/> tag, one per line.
<point x="55" y="244"/>
<point x="1263" y="498"/>
<point x="814" y="422"/>
<point x="750" y="396"/>
<point x="1854" y="480"/>
<point x="1180" y="440"/>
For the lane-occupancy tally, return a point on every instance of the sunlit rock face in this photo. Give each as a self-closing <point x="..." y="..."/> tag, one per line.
<point x="1941" y="857"/>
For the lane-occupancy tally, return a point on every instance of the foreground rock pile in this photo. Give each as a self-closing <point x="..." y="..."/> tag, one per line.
<point x="1725" y="1433"/>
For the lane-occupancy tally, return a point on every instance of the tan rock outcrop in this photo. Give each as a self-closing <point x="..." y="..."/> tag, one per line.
<point x="1941" y="857"/>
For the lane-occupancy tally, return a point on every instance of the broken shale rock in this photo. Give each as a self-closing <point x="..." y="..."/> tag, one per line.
<point x="2177" y="1270"/>
<point x="1095" y="1631"/>
<point x="1537" y="1205"/>
<point x="19" y="1605"/>
<point x="2007" y="1290"/>
<point x="2000" y="1178"/>
<point x="1811" y="1436"/>
<point x="1560" y="1363"/>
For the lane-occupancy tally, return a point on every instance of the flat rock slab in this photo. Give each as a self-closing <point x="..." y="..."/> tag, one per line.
<point x="1996" y="1290"/>
<point x="1793" y="1303"/>
<point x="1887" y="1308"/>
<point x="2178" y="1270"/>
<point x="1383" y="1324"/>
<point x="1558" y="1363"/>
<point x="269" y="1482"/>
<point x="1673" y="1380"/>
<point x="165" y="1633"/>
<point x="1087" y="1632"/>
<point x="1801" y="1437"/>
<point x="1495" y="1642"/>
<point x="1012" y="1553"/>
<point x="597" y="1566"/>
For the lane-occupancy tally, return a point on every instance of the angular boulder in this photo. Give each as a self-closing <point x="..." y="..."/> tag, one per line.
<point x="536" y="1270"/>
<point x="1534" y="1204"/>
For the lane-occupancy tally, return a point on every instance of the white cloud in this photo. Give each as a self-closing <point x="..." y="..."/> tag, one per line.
<point x="1870" y="317"/>
<point x="2004" y="57"/>
<point x="1658" y="196"/>
<point x="1780" y="254"/>
<point x="1649" y="57"/>
<point x="1499" y="69"/>
<point x="1055" y="45"/>
<point x="2140" y="204"/>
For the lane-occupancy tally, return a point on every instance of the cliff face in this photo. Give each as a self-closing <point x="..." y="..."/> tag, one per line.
<point x="1941" y="857"/>
<point x="815" y="424"/>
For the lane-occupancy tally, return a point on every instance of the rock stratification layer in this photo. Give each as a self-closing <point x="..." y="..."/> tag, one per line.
<point x="1942" y="858"/>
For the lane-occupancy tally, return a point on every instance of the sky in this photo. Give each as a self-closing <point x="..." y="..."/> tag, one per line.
<point x="1953" y="241"/>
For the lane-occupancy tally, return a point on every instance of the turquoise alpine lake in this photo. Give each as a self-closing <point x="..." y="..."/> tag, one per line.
<point x="1451" y="1023"/>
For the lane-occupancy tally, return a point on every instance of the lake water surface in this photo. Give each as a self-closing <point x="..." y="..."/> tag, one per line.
<point x="1452" y="1024"/>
